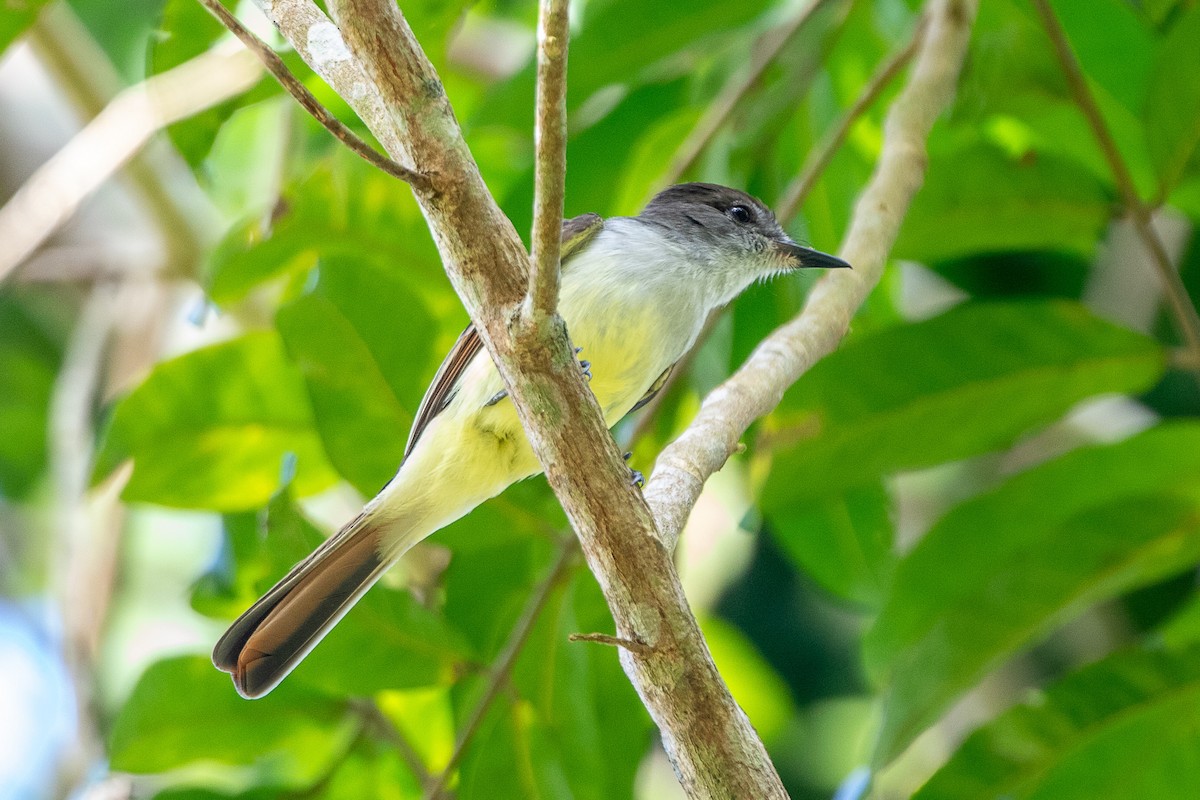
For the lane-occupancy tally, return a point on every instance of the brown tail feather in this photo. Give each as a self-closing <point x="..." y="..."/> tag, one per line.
<point x="277" y="632"/>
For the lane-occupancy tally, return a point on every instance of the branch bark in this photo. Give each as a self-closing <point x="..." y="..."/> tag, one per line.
<point x="781" y="358"/>
<point x="550" y="166"/>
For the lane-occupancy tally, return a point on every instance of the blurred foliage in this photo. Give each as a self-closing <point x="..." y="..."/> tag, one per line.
<point x="931" y="517"/>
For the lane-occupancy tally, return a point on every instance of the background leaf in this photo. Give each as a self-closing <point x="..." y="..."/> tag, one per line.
<point x="182" y="711"/>
<point x="358" y="339"/>
<point x="855" y="418"/>
<point x="18" y="16"/>
<point x="1002" y="569"/>
<point x="1123" y="727"/>
<point x="235" y="408"/>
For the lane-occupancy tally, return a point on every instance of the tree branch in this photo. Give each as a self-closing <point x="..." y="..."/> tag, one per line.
<point x="53" y="193"/>
<point x="374" y="718"/>
<point x="709" y="739"/>
<point x="308" y="102"/>
<point x="502" y="667"/>
<point x="319" y="43"/>
<point x="818" y="160"/>
<point x="782" y="357"/>
<point x="612" y="641"/>
<point x="733" y="92"/>
<point x="1187" y="321"/>
<point x="89" y="526"/>
<point x="550" y="166"/>
<point x="186" y="221"/>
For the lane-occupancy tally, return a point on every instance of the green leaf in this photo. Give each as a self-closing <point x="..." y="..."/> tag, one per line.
<point x="17" y="17"/>
<point x="29" y="360"/>
<point x="364" y="362"/>
<point x="1173" y="105"/>
<point x="345" y="209"/>
<point x="372" y="769"/>
<point x="1003" y="569"/>
<point x="230" y="413"/>
<point x="185" y="31"/>
<point x="1183" y="628"/>
<point x="968" y="381"/>
<point x="1121" y="729"/>
<point x="977" y="198"/>
<point x="626" y="45"/>
<point x="184" y="712"/>
<point x="844" y="541"/>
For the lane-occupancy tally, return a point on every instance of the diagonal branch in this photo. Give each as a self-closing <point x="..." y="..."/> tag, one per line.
<point x="503" y="665"/>
<point x="1187" y="321"/>
<point x="550" y="167"/>
<point x="782" y="357"/>
<point x="818" y="160"/>
<point x="732" y="94"/>
<point x="319" y="43"/>
<point x="107" y="143"/>
<point x="308" y="102"/>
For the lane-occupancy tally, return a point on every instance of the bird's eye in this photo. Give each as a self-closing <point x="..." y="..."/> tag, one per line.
<point x="740" y="215"/>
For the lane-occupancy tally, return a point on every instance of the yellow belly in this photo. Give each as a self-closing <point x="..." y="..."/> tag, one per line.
<point x="475" y="449"/>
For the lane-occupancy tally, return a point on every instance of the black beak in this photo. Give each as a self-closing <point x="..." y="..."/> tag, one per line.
<point x="807" y="258"/>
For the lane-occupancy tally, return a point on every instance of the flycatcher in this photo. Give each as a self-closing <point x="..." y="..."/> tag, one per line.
<point x="635" y="293"/>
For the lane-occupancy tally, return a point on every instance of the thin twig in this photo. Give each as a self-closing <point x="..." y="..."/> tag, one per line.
<point x="818" y="160"/>
<point x="274" y="64"/>
<point x="56" y="190"/>
<point x="732" y="94"/>
<point x="640" y="648"/>
<point x="89" y="525"/>
<point x="1185" y="360"/>
<point x="782" y="357"/>
<point x="374" y="717"/>
<point x="319" y="42"/>
<point x="550" y="167"/>
<point x="504" y="662"/>
<point x="187" y="221"/>
<point x="1182" y="309"/>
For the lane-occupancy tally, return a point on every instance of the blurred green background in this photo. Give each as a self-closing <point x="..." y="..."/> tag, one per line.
<point x="958" y="561"/>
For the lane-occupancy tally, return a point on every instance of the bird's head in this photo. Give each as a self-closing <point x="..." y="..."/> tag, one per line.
<point x="731" y="231"/>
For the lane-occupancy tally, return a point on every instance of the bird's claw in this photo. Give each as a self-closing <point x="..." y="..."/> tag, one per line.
<point x="636" y="478"/>
<point x="586" y="366"/>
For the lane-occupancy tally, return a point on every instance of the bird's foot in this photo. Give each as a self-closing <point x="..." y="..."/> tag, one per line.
<point x="586" y="366"/>
<point x="636" y="478"/>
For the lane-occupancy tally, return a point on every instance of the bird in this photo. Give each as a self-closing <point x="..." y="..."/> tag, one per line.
<point x="634" y="294"/>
